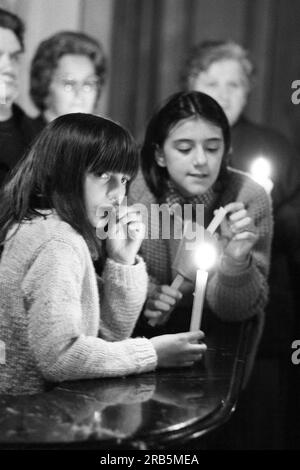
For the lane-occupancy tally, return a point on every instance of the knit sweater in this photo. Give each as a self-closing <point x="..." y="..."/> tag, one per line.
<point x="230" y="294"/>
<point x="50" y="318"/>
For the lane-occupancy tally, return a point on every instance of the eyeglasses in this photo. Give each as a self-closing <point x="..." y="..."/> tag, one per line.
<point x="70" y="86"/>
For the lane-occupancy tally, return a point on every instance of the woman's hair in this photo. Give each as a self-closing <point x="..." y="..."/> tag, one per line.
<point x="182" y="105"/>
<point x="52" y="174"/>
<point x="10" y="21"/>
<point x="48" y="53"/>
<point x="204" y="54"/>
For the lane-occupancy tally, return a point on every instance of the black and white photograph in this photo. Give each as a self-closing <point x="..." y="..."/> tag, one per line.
<point x="149" y="228"/>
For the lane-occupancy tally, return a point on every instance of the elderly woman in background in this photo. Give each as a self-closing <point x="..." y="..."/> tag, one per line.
<point x="67" y="74"/>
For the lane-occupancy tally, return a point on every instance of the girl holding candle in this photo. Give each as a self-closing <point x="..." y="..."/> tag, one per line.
<point x="184" y="160"/>
<point x="52" y="326"/>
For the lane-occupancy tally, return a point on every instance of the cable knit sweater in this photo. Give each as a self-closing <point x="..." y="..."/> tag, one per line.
<point x="50" y="317"/>
<point x="232" y="295"/>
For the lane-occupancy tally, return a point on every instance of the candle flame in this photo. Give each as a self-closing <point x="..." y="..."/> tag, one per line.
<point x="261" y="168"/>
<point x="205" y="256"/>
<point x="261" y="172"/>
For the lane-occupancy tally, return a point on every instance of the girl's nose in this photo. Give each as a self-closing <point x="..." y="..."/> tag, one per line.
<point x="200" y="158"/>
<point x="116" y="193"/>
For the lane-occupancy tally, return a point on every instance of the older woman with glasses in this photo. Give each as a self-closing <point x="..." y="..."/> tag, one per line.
<point x="67" y="75"/>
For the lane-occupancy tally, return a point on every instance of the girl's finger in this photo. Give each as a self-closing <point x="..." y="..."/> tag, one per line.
<point x="193" y="336"/>
<point x="152" y="313"/>
<point x="136" y="230"/>
<point x="167" y="299"/>
<point x="242" y="224"/>
<point x="196" y="348"/>
<point x="122" y="211"/>
<point x="250" y="236"/>
<point x="159" y="305"/>
<point x="234" y="206"/>
<point x="238" y="215"/>
<point x="171" y="292"/>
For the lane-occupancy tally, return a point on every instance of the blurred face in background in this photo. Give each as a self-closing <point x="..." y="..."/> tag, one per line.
<point x="10" y="53"/>
<point x="224" y="81"/>
<point x="74" y="87"/>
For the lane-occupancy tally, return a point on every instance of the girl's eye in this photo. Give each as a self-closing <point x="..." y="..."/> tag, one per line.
<point x="212" y="149"/>
<point x="184" y="149"/>
<point x="125" y="180"/>
<point x="105" y="176"/>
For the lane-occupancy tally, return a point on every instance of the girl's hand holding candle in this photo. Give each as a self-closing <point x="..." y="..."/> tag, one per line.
<point x="179" y="350"/>
<point x="184" y="264"/>
<point x="161" y="303"/>
<point x="238" y="234"/>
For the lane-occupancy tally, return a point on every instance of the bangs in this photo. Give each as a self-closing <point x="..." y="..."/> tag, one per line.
<point x="120" y="156"/>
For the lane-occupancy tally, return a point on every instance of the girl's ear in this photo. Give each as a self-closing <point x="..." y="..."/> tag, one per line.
<point x="160" y="158"/>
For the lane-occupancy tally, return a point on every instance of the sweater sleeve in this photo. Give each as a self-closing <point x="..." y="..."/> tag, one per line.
<point x="123" y="293"/>
<point x="57" y="325"/>
<point x="237" y="295"/>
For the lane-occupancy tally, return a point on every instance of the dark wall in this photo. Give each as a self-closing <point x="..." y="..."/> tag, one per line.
<point x="151" y="39"/>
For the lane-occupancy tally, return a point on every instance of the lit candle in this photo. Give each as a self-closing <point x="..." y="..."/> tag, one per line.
<point x="206" y="255"/>
<point x="261" y="171"/>
<point x="182" y="264"/>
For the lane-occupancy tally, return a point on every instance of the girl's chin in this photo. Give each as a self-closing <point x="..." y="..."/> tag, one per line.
<point x="196" y="188"/>
<point x="193" y="192"/>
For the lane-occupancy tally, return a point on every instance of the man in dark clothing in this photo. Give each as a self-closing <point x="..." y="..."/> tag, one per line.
<point x="16" y="129"/>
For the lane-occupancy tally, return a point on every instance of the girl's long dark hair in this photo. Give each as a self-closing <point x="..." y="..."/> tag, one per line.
<point x="52" y="174"/>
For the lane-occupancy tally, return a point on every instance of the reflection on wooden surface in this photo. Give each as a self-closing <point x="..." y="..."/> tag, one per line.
<point x="154" y="410"/>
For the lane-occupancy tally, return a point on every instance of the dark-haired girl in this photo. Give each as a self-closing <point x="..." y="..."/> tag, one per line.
<point x="184" y="161"/>
<point x="55" y="324"/>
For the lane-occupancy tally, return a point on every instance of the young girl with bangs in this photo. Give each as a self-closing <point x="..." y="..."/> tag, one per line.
<point x="58" y="321"/>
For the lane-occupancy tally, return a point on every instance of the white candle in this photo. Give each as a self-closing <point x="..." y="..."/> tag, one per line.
<point x="205" y="252"/>
<point x="220" y="214"/>
<point x="199" y="296"/>
<point x="178" y="280"/>
<point x="206" y="255"/>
